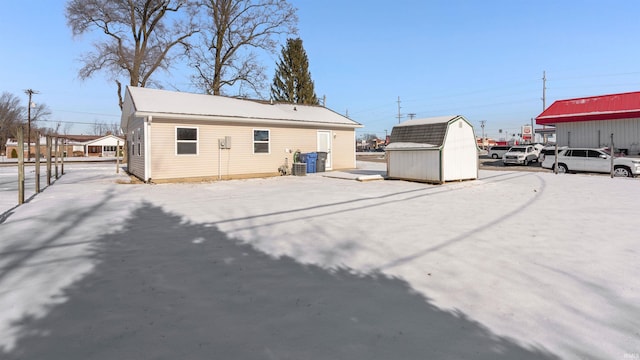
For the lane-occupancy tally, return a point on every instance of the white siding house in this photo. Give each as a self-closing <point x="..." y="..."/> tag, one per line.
<point x="434" y="150"/>
<point x="176" y="136"/>
<point x="105" y="146"/>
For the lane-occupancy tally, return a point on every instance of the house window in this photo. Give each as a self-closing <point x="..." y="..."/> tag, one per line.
<point x="186" y="141"/>
<point x="260" y="141"/>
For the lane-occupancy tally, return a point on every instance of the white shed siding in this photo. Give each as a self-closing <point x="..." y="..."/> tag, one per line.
<point x="414" y="165"/>
<point x="433" y="150"/>
<point x="459" y="155"/>
<point x="626" y="134"/>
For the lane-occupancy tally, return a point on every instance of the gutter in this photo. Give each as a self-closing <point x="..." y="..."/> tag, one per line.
<point x="238" y="120"/>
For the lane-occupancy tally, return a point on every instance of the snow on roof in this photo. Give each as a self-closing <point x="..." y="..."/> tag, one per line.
<point x="422" y="133"/>
<point x="603" y="107"/>
<point x="409" y="145"/>
<point x="427" y="121"/>
<point x="104" y="138"/>
<point x="163" y="103"/>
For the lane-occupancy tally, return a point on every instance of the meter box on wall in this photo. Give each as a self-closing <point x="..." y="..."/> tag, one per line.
<point x="225" y="143"/>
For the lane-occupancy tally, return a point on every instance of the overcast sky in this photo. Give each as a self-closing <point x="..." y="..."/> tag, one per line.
<point x="483" y="60"/>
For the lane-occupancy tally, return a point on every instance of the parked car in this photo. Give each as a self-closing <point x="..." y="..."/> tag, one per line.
<point x="549" y="150"/>
<point x="521" y="155"/>
<point x="497" y="151"/>
<point x="592" y="160"/>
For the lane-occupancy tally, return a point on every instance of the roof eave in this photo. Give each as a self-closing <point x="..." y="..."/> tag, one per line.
<point x="243" y="120"/>
<point x="610" y="115"/>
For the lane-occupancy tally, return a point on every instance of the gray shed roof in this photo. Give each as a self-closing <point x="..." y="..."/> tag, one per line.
<point x="429" y="131"/>
<point x="172" y="104"/>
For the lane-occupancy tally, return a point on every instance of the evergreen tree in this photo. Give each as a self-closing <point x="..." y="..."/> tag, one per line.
<point x="292" y="82"/>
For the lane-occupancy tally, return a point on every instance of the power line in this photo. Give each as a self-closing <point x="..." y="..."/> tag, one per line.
<point x="507" y="93"/>
<point x="68" y="122"/>
<point x="87" y="113"/>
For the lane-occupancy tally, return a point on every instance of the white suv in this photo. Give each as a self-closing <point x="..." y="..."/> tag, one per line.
<point x="497" y="151"/>
<point x="592" y="160"/>
<point x="521" y="155"/>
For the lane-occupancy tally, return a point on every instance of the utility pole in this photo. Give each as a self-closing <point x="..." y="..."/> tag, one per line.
<point x="20" y="166"/>
<point x="29" y="92"/>
<point x="399" y="115"/>
<point x="544" y="90"/>
<point x="411" y="116"/>
<point x="544" y="102"/>
<point x="482" y="122"/>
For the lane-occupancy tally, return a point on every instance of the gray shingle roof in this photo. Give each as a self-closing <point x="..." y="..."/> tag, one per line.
<point x="429" y="131"/>
<point x="170" y="104"/>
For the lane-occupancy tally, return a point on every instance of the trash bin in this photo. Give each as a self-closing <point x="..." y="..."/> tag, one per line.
<point x="321" y="161"/>
<point x="310" y="159"/>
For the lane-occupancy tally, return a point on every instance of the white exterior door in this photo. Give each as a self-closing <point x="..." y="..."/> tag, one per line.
<point x="324" y="144"/>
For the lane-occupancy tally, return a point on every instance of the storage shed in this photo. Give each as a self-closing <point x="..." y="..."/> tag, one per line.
<point x="434" y="150"/>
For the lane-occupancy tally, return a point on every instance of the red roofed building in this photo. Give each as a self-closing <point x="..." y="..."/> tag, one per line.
<point x="590" y="121"/>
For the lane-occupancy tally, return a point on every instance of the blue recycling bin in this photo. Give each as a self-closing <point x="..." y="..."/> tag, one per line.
<point x="311" y="159"/>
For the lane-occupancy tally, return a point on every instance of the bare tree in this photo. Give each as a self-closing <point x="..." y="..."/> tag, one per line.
<point x="368" y="136"/>
<point x="104" y="128"/>
<point x="11" y="115"/>
<point x="232" y="29"/>
<point x="140" y="36"/>
<point x="40" y="112"/>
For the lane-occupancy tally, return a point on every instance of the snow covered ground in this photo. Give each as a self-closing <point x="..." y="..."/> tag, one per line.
<point x="515" y="265"/>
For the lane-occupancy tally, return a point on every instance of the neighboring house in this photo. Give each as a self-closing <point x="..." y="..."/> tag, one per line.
<point x="590" y="121"/>
<point x="12" y="147"/>
<point x="434" y="150"/>
<point x="72" y="145"/>
<point x="182" y="136"/>
<point x="105" y="146"/>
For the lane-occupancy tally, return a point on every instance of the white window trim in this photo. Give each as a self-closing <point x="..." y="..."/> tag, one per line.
<point x="133" y="143"/>
<point x="197" y="141"/>
<point x="253" y="142"/>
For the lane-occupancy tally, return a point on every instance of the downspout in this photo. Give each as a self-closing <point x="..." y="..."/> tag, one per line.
<point x="147" y="148"/>
<point x="355" y="158"/>
<point x="440" y="152"/>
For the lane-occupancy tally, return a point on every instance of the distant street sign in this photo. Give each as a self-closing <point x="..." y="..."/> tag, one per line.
<point x="527" y="132"/>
